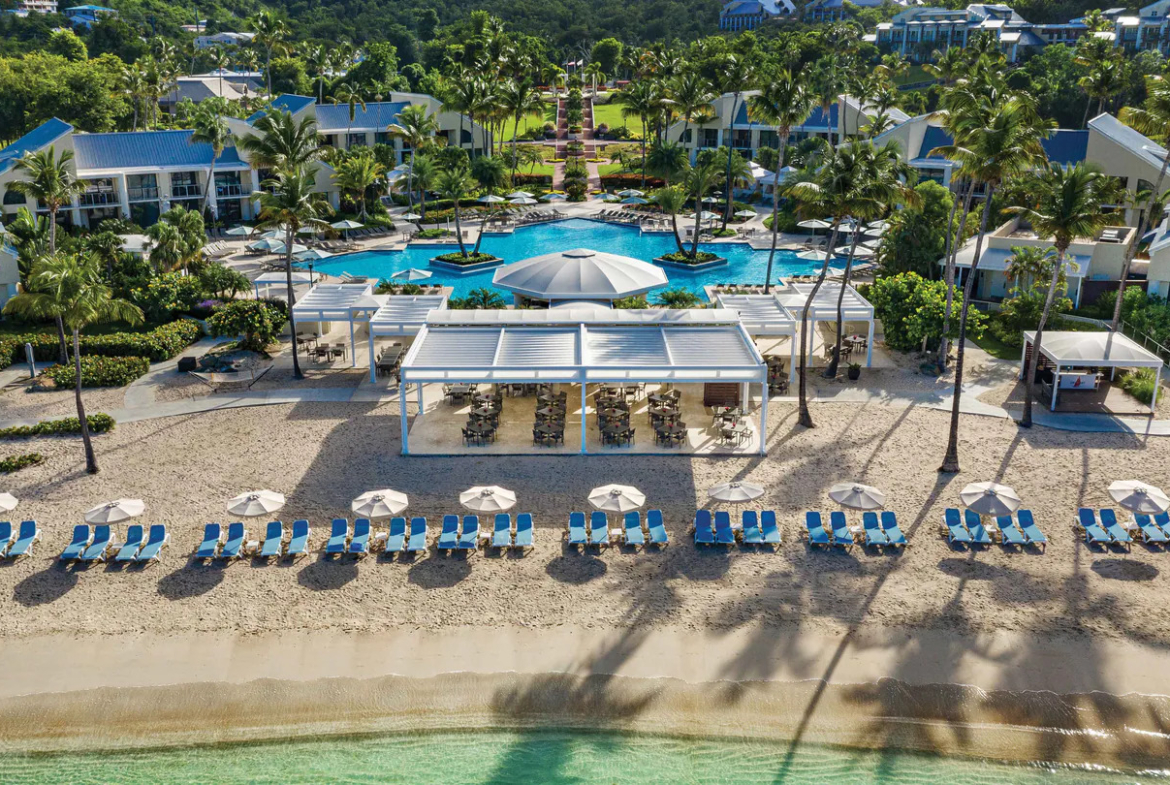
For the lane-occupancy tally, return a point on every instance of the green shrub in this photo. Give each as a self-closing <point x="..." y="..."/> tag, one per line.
<point x="911" y="309"/>
<point x="15" y="463"/>
<point x="433" y="234"/>
<point x="257" y="321"/>
<point x="1139" y="383"/>
<point x="167" y="295"/>
<point x="222" y="282"/>
<point x="98" y="423"/>
<point x="471" y="258"/>
<point x="686" y="258"/>
<point x="161" y="343"/>
<point x="100" y="371"/>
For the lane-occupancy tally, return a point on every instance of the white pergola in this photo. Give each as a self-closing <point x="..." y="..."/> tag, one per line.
<point x="764" y="315"/>
<point x="1113" y="350"/>
<point x="299" y="278"/>
<point x="401" y="315"/>
<point x="583" y="347"/>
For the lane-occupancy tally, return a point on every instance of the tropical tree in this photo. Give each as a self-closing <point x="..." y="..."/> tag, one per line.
<point x="455" y="184"/>
<point x="319" y="61"/>
<point x="176" y="239"/>
<point x="672" y="200"/>
<point x="519" y="98"/>
<point x="825" y="87"/>
<point x="70" y="288"/>
<point x="691" y="95"/>
<point x="211" y="128"/>
<point x="29" y="234"/>
<point x="697" y="182"/>
<point x="281" y="142"/>
<point x="135" y="87"/>
<point x="357" y="174"/>
<point x="640" y="100"/>
<point x="736" y="75"/>
<point x="417" y="128"/>
<point x="425" y="173"/>
<point x="271" y="31"/>
<point x="491" y="174"/>
<point x="346" y="94"/>
<point x="667" y="160"/>
<point x="1106" y="78"/>
<point x="219" y="58"/>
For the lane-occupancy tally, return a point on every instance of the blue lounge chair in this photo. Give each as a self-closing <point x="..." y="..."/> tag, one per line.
<point x="634" y="535"/>
<point x="76" y="547"/>
<point x="1151" y="532"/>
<point x="469" y="537"/>
<point x="418" y="535"/>
<point x="841" y="534"/>
<point x="874" y="533"/>
<point x="724" y="534"/>
<point x="449" y="534"/>
<point x="212" y="537"/>
<point x="893" y="530"/>
<point x="102" y="540"/>
<point x="1094" y="534"/>
<point x="769" y="528"/>
<point x="577" y="535"/>
<point x="524" y="531"/>
<point x="273" y="540"/>
<point x="752" y="534"/>
<point x="133" y="542"/>
<point x="1119" y="533"/>
<point x="1008" y="533"/>
<point x="7" y="536"/>
<point x="502" y="534"/>
<point x="298" y="544"/>
<point x="955" y="530"/>
<point x="704" y="533"/>
<point x="815" y="530"/>
<point x="338" y="537"/>
<point x="1163" y="521"/>
<point x="233" y="548"/>
<point x="598" y="529"/>
<point x="25" y="539"/>
<point x="1030" y="529"/>
<point x="979" y="535"/>
<point x="156" y="538"/>
<point x="656" y="527"/>
<point x="359" y="544"/>
<point x="397" y="537"/>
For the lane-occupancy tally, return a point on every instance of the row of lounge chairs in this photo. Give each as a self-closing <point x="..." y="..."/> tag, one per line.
<point x="755" y="529"/>
<point x="876" y="532"/>
<point x="216" y="250"/>
<point x="99" y="545"/>
<point x="503" y="534"/>
<point x="632" y="533"/>
<point x="1019" y="530"/>
<point x="1151" y="529"/>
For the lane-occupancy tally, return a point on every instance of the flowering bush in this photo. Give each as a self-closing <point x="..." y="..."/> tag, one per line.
<point x="100" y="371"/>
<point x="258" y="322"/>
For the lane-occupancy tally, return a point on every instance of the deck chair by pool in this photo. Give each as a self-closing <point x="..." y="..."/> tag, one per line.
<point x="359" y="544"/>
<point x="449" y="534"/>
<point x="1094" y="534"/>
<point x="598" y="529"/>
<point x="76" y="547"/>
<point x="103" y="538"/>
<point x="212" y="538"/>
<point x="418" y="535"/>
<point x="133" y="542"/>
<point x="893" y="530"/>
<point x="233" y="547"/>
<point x="1009" y="534"/>
<point x="752" y="534"/>
<point x="7" y="537"/>
<point x="656" y="527"/>
<point x="1162" y="519"/>
<point x="524" y="531"/>
<point x="633" y="529"/>
<point x="954" y="528"/>
<point x="298" y="544"/>
<point x="338" y="537"/>
<point x="469" y="536"/>
<point x="704" y="533"/>
<point x="25" y="539"/>
<point x="724" y="534"/>
<point x="502" y="533"/>
<point x="1030" y="529"/>
<point x="156" y="538"/>
<point x="1118" y="532"/>
<point x="1151" y="532"/>
<point x="769" y="528"/>
<point x="397" y="537"/>
<point x="874" y="533"/>
<point x="979" y="535"/>
<point x="815" y="530"/>
<point x="841" y="534"/>
<point x="577" y="535"/>
<point x="273" y="540"/>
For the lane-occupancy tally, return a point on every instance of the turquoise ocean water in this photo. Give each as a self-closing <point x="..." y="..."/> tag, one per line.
<point x="540" y="758"/>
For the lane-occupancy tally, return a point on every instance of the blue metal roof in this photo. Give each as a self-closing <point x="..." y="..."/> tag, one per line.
<point x="814" y="120"/>
<point x="286" y="102"/>
<point x="42" y="136"/>
<point x="934" y="137"/>
<point x="146" y="149"/>
<point x="1066" y="147"/>
<point x="375" y="115"/>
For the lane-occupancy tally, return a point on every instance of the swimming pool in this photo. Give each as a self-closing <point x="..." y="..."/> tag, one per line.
<point x="744" y="265"/>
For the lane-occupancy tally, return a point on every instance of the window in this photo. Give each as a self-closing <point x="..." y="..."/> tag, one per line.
<point x="355" y="140"/>
<point x="185" y="185"/>
<point x="710" y="137"/>
<point x="12" y="197"/>
<point x="227" y="184"/>
<point x="140" y="187"/>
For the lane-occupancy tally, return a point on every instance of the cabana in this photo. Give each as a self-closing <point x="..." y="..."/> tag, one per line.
<point x="583" y="346"/>
<point x="338" y="302"/>
<point x="763" y="315"/>
<point x="854" y="308"/>
<point x="1071" y="355"/>
<point x="401" y="315"/>
<point x="579" y="274"/>
<point x="299" y="278"/>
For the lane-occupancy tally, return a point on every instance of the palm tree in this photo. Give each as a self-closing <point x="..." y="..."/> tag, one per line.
<point x="417" y="128"/>
<point x="691" y="95"/>
<point x="212" y="129"/>
<point x="29" y="233"/>
<point x="491" y="174"/>
<point x="737" y="76"/>
<point x="219" y="58"/>
<point x="425" y="172"/>
<point x="319" y="61"/>
<point x="177" y="239"/>
<point x="639" y="100"/>
<point x="357" y="174"/>
<point x="667" y="160"/>
<point x="105" y="247"/>
<point x="281" y="142"/>
<point x="134" y="86"/>
<point x="270" y="33"/>
<point x="593" y="71"/>
<point x="947" y="66"/>
<point x="520" y="98"/>
<point x="698" y="181"/>
<point x="1065" y="203"/>
<point x="289" y="203"/>
<point x="672" y="200"/>
<point x="1106" y="78"/>
<point x="70" y="288"/>
<point x="455" y="184"/>
<point x="825" y="87"/>
<point x="345" y="94"/>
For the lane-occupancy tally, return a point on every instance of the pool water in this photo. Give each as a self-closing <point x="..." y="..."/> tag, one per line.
<point x="533" y="758"/>
<point x="744" y="265"/>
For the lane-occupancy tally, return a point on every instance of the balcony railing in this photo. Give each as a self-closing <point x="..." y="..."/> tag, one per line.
<point x="229" y="190"/>
<point x="186" y="191"/>
<point x="142" y="194"/>
<point x="97" y="198"/>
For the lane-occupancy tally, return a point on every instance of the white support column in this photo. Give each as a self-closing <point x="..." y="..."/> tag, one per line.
<point x="123" y="196"/>
<point x="352" y="345"/>
<point x="584" y="419"/>
<point x="745" y="394"/>
<point x="869" y="346"/>
<point x="792" y="362"/>
<point x="1157" y="390"/>
<point x="75" y="209"/>
<point x="1055" y="387"/>
<point x="764" y="418"/>
<point x="405" y="430"/>
<point x="373" y="368"/>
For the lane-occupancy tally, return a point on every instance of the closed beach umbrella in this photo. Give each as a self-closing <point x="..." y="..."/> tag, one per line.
<point x="631" y="192"/>
<point x="7" y="502"/>
<point x="411" y="274"/>
<point x="487" y="498"/>
<point x="617" y="498"/>
<point x="519" y="195"/>
<point x="735" y="492"/>
<point x="255" y="503"/>
<point x="1138" y="497"/>
<point x="379" y="504"/>
<point x="857" y="496"/>
<point x="815" y="223"/>
<point x="989" y="498"/>
<point x="116" y="511"/>
<point x="240" y="231"/>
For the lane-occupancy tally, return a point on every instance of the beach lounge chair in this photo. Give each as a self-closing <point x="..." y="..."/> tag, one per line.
<point x="502" y="533"/>
<point x="1030" y="529"/>
<point x="598" y="529"/>
<point x="359" y="544"/>
<point x="814" y="530"/>
<point x="233" y="547"/>
<point x="724" y="534"/>
<point x="577" y="534"/>
<point x="102" y="540"/>
<point x="133" y="543"/>
<point x="524" y="531"/>
<point x="7" y="536"/>
<point x="953" y="525"/>
<point x="418" y="535"/>
<point x="1008" y="533"/>
<point x="25" y="539"/>
<point x="874" y="534"/>
<point x="338" y="537"/>
<point x="273" y="540"/>
<point x="156" y="538"/>
<point x="1162" y="519"/>
<point x="752" y="534"/>
<point x="397" y="537"/>
<point x="1151" y="532"/>
<point x="1119" y="533"/>
<point x="769" y="528"/>
<point x="212" y="537"/>
<point x="298" y="544"/>
<point x="633" y="533"/>
<point x="656" y="527"/>
<point x="841" y="534"/>
<point x="469" y="537"/>
<point x="1094" y="534"/>
<point x="979" y="535"/>
<point x="82" y="536"/>
<point x="449" y="535"/>
<point x="704" y="533"/>
<point x="893" y="530"/>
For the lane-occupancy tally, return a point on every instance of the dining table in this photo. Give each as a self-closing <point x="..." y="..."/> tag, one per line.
<point x="550" y="411"/>
<point x="545" y="429"/>
<point x="737" y="432"/>
<point x="675" y="430"/>
<point x="660" y="398"/>
<point x="479" y="428"/>
<point x="664" y="410"/>
<point x="483" y="411"/>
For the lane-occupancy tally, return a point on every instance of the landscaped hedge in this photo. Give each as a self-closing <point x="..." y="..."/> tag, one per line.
<point x="161" y="343"/>
<point x="100" y="371"/>
<point x="686" y="258"/>
<point x="98" y="423"/>
<point x="624" y="180"/>
<point x="531" y="178"/>
<point x="471" y="258"/>
<point x="15" y="463"/>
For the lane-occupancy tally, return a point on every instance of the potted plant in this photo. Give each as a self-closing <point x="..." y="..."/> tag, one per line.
<point x="854" y="371"/>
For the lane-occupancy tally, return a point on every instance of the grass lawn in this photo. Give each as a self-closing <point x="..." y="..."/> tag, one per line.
<point x="609" y="168"/>
<point x="533" y="121"/>
<point x="916" y="74"/>
<point x="545" y="168"/>
<point x="997" y="348"/>
<point x="611" y="115"/>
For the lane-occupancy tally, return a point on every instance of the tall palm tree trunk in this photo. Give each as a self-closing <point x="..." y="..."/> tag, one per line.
<point x="643" y="152"/>
<point x="410" y="182"/>
<point x="730" y="153"/>
<point x="63" y="354"/>
<point x="1131" y="251"/>
<point x="674" y="226"/>
<point x="698" y="219"/>
<point x="805" y="417"/>
<point x="1031" y="360"/>
<point x="515" y="133"/>
<point x="944" y="348"/>
<point x="781" y="150"/>
<point x="482" y="226"/>
<point x="91" y="466"/>
<point x="950" y="462"/>
<point x="290" y="234"/>
<point x="835" y="362"/>
<point x="207" y="200"/>
<point x="459" y="231"/>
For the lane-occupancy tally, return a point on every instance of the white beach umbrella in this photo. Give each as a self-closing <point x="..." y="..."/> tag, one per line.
<point x="8" y="502"/>
<point x="610" y="198"/>
<point x="635" y="200"/>
<point x="857" y="496"/>
<point x="707" y="215"/>
<point x="746" y="214"/>
<point x="523" y="200"/>
<point x="617" y="498"/>
<point x="990" y="498"/>
<point x="519" y="195"/>
<point x="815" y="223"/>
<point x="240" y="231"/>
<point x="278" y="247"/>
<point x="490" y="199"/>
<point x="379" y="504"/>
<point x="1138" y="497"/>
<point x="347" y="225"/>
<point x="265" y="244"/>
<point x="553" y="198"/>
<point x="410" y="217"/>
<point x="709" y="200"/>
<point x="411" y="274"/>
<point x="631" y="192"/>
<point x="487" y="498"/>
<point x="255" y="503"/>
<point x="116" y="511"/>
<point x="312" y="255"/>
<point x="735" y="492"/>
<point x="812" y="256"/>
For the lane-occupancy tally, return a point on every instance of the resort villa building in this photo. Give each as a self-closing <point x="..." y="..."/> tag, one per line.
<point x="25" y="7"/>
<point x="916" y="32"/>
<point x="86" y="15"/>
<point x="750" y="14"/>
<point x="223" y="39"/>
<point x="1149" y="30"/>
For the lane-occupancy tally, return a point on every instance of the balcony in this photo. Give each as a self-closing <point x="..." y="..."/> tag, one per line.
<point x="98" y="198"/>
<point x="146" y="193"/>
<point x="186" y="191"/>
<point x="229" y="190"/>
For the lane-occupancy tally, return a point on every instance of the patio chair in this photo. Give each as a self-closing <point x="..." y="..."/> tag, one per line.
<point x="814" y="530"/>
<point x="82" y="536"/>
<point x="1162" y="519"/>
<point x="1118" y="532"/>
<point x="840" y="527"/>
<point x="417" y="543"/>
<point x="102" y="540"/>
<point x="874" y="533"/>
<point x="359" y="544"/>
<point x="7" y="537"/>
<point x="1094" y="534"/>
<point x="953" y="528"/>
<point x="974" y="524"/>
<point x="656" y="528"/>
<point x="396" y="539"/>
<point x="502" y="533"/>
<point x="233" y="547"/>
<point x="128" y="549"/>
<point x="28" y="535"/>
<point x="768" y="527"/>
<point x="1030" y="529"/>
<point x="338" y="537"/>
<point x="598" y="529"/>
<point x="1009" y="534"/>
<point x="752" y="534"/>
<point x="298" y="543"/>
<point x="633" y="529"/>
<point x="893" y="530"/>
<point x="724" y="534"/>
<point x="1150" y="531"/>
<point x="273" y="540"/>
<point x="704" y="533"/>
<point x="577" y="535"/>
<point x="469" y="536"/>
<point x="524" y="531"/>
<point x="156" y="540"/>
